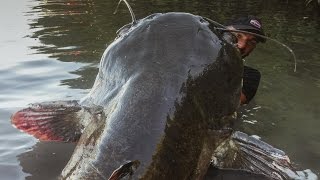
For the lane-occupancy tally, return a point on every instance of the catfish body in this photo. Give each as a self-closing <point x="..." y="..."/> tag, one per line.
<point x="157" y="109"/>
<point x="163" y="84"/>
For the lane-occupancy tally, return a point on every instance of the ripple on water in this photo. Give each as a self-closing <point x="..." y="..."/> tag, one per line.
<point x="32" y="81"/>
<point x="12" y="143"/>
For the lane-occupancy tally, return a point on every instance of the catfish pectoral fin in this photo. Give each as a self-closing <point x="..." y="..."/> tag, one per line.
<point x="248" y="153"/>
<point x="53" y="121"/>
<point x="124" y="170"/>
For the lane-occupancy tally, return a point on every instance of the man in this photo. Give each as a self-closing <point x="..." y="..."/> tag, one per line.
<point x="246" y="44"/>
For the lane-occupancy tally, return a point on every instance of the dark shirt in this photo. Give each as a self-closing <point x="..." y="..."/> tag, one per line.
<point x="251" y="80"/>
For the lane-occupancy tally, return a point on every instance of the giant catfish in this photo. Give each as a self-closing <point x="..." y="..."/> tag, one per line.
<point x="162" y="102"/>
<point x="164" y="88"/>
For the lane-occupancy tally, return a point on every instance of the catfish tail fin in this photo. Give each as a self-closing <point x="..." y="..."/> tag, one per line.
<point x="250" y="154"/>
<point x="53" y="121"/>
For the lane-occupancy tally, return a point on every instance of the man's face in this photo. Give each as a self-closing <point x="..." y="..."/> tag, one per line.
<point x="246" y="43"/>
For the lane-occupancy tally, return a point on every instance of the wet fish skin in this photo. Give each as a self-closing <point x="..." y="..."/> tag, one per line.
<point x="164" y="85"/>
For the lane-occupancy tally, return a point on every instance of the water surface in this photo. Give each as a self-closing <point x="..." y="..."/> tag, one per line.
<point x="51" y="51"/>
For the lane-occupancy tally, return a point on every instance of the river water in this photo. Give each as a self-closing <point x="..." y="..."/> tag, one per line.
<point x="50" y="50"/>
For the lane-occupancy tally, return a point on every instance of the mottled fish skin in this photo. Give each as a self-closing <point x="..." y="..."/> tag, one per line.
<point x="165" y="85"/>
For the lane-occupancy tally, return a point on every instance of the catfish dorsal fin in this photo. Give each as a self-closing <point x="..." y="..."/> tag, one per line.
<point x="54" y="121"/>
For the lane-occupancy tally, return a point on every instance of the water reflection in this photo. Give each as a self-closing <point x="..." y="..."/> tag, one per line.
<point x="73" y="30"/>
<point x="46" y="160"/>
<point x="288" y="117"/>
<point x="79" y="30"/>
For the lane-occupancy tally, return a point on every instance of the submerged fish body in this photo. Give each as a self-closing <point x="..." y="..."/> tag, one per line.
<point x="158" y="107"/>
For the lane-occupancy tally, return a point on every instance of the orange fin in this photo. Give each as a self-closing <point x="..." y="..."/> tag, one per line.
<point x="50" y="121"/>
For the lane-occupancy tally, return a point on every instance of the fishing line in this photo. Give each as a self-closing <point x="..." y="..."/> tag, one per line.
<point x="223" y="28"/>
<point x="134" y="20"/>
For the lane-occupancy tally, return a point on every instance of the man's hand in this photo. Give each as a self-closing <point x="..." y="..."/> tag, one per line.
<point x="243" y="99"/>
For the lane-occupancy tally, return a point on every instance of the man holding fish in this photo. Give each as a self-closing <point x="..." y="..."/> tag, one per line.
<point x="246" y="43"/>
